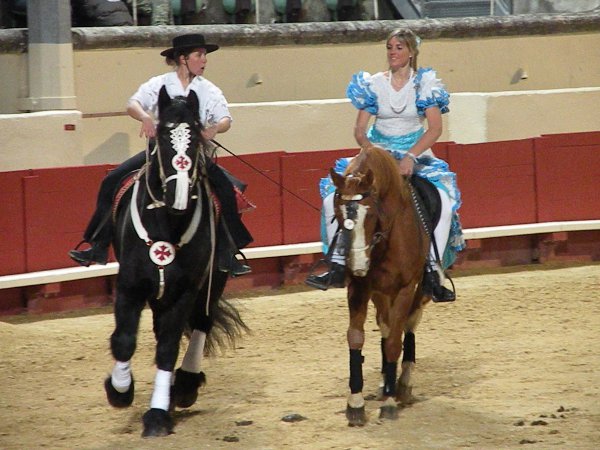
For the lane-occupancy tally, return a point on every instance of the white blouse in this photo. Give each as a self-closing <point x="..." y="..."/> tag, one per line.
<point x="213" y="105"/>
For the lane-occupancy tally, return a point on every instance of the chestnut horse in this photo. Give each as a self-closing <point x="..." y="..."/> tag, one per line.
<point x="386" y="248"/>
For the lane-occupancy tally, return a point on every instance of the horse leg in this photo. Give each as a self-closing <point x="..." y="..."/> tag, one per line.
<point x="357" y="301"/>
<point x="189" y="377"/>
<point x="119" y="386"/>
<point x="168" y="329"/>
<point x="404" y="385"/>
<point x="392" y="349"/>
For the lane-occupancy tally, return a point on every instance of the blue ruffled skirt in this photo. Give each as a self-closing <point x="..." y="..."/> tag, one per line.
<point x="433" y="169"/>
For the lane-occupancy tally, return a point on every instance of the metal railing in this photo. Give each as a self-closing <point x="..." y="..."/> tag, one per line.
<point x="275" y="251"/>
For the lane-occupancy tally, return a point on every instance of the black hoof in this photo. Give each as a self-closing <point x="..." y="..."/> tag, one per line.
<point x="184" y="391"/>
<point x="116" y="398"/>
<point x="356" y="416"/>
<point x="157" y="423"/>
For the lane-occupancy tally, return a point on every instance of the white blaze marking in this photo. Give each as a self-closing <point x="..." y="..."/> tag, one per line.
<point x="359" y="260"/>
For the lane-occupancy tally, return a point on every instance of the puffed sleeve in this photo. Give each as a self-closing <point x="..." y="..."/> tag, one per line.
<point x="430" y="92"/>
<point x="147" y="93"/>
<point x="360" y="93"/>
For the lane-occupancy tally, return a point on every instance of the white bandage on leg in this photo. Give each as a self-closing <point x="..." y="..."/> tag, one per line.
<point x="442" y="230"/>
<point x="331" y="227"/>
<point x="192" y="361"/>
<point x="162" y="387"/>
<point x="121" y="376"/>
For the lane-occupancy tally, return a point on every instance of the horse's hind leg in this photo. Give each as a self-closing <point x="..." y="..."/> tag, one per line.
<point x="189" y="377"/>
<point x="119" y="386"/>
<point x="404" y="385"/>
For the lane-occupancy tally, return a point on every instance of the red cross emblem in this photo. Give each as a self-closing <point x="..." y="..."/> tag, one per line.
<point x="162" y="253"/>
<point x="181" y="163"/>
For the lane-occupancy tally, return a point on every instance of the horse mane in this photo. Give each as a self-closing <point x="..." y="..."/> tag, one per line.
<point x="384" y="168"/>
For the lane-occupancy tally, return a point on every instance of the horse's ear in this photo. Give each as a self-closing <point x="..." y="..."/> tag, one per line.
<point x="368" y="178"/>
<point x="193" y="103"/>
<point x="164" y="99"/>
<point x="338" y="180"/>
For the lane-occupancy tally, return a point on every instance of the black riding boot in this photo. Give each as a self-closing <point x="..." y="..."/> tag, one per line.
<point x="229" y="263"/>
<point x="335" y="278"/>
<point x="97" y="253"/>
<point x="433" y="288"/>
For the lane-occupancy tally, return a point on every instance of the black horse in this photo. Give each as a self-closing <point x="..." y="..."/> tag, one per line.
<point x="165" y="243"/>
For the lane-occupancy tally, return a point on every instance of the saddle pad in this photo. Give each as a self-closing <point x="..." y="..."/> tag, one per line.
<point x="243" y="203"/>
<point x="124" y="186"/>
<point x="429" y="198"/>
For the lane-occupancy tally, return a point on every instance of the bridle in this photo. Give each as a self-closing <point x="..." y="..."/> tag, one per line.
<point x="180" y="137"/>
<point x="351" y="216"/>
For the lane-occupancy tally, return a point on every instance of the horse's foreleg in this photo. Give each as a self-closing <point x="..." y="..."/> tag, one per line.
<point x="119" y="386"/>
<point x="168" y="329"/>
<point x="358" y="302"/>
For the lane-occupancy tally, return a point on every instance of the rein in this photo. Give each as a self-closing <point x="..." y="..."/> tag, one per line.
<point x="350" y="221"/>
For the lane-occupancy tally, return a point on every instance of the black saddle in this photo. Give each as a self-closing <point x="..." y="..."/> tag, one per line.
<point x="427" y="201"/>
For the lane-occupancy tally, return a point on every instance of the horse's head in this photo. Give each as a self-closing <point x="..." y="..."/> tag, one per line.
<point x="179" y="144"/>
<point x="356" y="212"/>
<point x="368" y="196"/>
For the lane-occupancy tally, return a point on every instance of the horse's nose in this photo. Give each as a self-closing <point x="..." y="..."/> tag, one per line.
<point x="359" y="273"/>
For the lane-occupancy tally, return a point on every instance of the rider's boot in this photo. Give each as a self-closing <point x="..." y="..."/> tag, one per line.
<point x="229" y="263"/>
<point x="334" y="278"/>
<point x="432" y="287"/>
<point x="96" y="254"/>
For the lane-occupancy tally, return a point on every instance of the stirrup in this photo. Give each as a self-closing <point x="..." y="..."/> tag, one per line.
<point x="95" y="254"/>
<point x="335" y="277"/>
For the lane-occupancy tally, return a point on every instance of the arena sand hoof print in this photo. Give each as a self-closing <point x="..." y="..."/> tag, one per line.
<point x="157" y="423"/>
<point x="116" y="398"/>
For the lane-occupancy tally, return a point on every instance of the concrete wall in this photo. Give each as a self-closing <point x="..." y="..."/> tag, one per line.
<point x="510" y="78"/>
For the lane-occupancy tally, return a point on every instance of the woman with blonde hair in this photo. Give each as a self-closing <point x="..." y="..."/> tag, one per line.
<point x="401" y="100"/>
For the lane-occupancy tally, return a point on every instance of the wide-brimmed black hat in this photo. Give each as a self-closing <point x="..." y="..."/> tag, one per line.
<point x="187" y="42"/>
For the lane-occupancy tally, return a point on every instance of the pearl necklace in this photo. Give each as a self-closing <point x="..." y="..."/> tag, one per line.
<point x="401" y="107"/>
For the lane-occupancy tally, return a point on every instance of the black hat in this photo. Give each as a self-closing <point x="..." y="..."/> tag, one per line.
<point x="187" y="42"/>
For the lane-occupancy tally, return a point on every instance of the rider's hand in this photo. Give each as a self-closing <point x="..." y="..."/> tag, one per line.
<point x="210" y="132"/>
<point x="406" y="166"/>
<point x="148" y="128"/>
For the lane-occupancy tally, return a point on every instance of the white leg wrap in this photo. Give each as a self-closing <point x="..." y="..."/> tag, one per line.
<point x="192" y="361"/>
<point x="121" y="376"/>
<point x="162" y="386"/>
<point x="356" y="400"/>
<point x="331" y="227"/>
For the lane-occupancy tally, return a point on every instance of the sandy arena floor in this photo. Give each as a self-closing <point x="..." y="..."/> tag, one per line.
<point x="513" y="364"/>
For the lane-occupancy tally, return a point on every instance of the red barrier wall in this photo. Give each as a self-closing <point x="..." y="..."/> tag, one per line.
<point x="497" y="182"/>
<point x="12" y="222"/>
<point x="550" y="178"/>
<point x="262" y="174"/>
<point x="568" y="176"/>
<point x="301" y="174"/>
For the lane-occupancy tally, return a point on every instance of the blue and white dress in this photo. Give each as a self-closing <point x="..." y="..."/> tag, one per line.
<point x="398" y="125"/>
